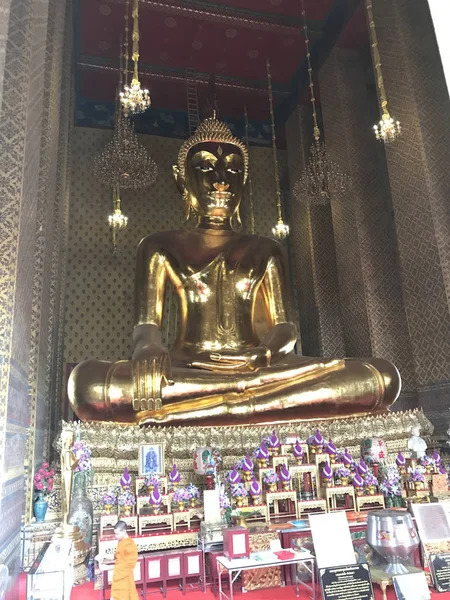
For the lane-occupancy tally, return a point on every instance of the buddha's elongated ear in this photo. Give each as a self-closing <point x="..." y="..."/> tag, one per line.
<point x="179" y="180"/>
<point x="181" y="186"/>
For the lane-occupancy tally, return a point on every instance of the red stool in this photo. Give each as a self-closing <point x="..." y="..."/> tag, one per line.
<point x="153" y="572"/>
<point x="214" y="571"/>
<point x="139" y="579"/>
<point x="173" y="569"/>
<point x="193" y="568"/>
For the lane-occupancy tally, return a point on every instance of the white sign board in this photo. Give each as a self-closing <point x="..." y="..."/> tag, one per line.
<point x="332" y="540"/>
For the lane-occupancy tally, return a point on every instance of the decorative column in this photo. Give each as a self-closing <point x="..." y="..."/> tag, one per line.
<point x="420" y="186"/>
<point x="366" y="244"/>
<point x="313" y="252"/>
<point x="31" y="191"/>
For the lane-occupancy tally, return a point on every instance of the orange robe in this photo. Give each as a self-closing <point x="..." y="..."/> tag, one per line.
<point x="123" y="586"/>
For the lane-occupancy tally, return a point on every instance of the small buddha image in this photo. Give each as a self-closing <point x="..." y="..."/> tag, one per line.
<point x="416" y="444"/>
<point x="222" y="368"/>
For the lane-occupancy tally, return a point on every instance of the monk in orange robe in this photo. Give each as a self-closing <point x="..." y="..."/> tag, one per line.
<point x="123" y="586"/>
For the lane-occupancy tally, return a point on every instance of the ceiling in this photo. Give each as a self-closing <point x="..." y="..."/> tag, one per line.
<point x="229" y="38"/>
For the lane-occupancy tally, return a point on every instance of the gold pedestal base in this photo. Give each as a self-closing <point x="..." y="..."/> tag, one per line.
<point x="79" y="550"/>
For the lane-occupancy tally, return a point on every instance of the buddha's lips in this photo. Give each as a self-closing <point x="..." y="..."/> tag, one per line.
<point x="220" y="198"/>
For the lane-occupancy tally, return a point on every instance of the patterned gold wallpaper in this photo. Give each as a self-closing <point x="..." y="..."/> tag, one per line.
<point x="100" y="287"/>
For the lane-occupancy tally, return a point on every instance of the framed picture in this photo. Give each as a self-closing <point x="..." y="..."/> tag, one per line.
<point x="151" y="459"/>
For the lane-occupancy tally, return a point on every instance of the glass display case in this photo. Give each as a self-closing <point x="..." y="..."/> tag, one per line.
<point x="51" y="574"/>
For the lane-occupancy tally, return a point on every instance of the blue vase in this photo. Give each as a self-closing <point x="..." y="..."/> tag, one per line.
<point x="40" y="507"/>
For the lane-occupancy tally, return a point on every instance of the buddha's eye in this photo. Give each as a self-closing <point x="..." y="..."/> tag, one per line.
<point x="234" y="171"/>
<point x="204" y="167"/>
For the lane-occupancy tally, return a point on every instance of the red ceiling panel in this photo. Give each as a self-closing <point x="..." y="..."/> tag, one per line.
<point x="315" y="9"/>
<point x="234" y="49"/>
<point x="179" y="42"/>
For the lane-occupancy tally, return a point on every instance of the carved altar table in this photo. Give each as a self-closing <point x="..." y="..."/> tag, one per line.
<point x="268" y="560"/>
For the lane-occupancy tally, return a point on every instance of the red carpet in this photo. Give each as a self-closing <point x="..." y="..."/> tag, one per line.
<point x="87" y="592"/>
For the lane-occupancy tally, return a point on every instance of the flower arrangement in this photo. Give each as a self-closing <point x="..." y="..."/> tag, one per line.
<point x="416" y="475"/>
<point x="152" y="480"/>
<point x="192" y="491"/>
<point x="270" y="478"/>
<point x="180" y="496"/>
<point x="43" y="479"/>
<point x="224" y="501"/>
<point x="126" y="498"/>
<point x="342" y="472"/>
<point x="390" y="486"/>
<point x="238" y="490"/>
<point x="83" y="454"/>
<point x="428" y="462"/>
<point x="370" y="480"/>
<point x="108" y="499"/>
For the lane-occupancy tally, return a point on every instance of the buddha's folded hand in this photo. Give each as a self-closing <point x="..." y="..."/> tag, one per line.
<point x="240" y="362"/>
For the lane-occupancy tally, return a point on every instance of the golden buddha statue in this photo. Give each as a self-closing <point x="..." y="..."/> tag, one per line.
<point x="219" y="368"/>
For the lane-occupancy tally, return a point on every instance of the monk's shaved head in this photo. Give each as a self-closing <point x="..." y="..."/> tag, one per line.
<point x="120" y="526"/>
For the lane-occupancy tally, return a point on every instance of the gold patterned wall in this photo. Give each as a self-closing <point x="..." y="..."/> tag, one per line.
<point x="314" y="253"/>
<point x="35" y="89"/>
<point x="420" y="182"/>
<point x="100" y="287"/>
<point x="363" y="222"/>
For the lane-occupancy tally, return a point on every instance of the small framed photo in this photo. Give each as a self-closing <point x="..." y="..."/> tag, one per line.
<point x="151" y="459"/>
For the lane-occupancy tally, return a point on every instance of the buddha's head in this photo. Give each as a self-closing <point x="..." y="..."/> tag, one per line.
<point x="211" y="171"/>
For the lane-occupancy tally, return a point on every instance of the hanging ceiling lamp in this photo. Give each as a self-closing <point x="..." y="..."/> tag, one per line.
<point x="134" y="99"/>
<point x="123" y="164"/>
<point x="322" y="178"/>
<point x="280" y="230"/>
<point x="387" y="130"/>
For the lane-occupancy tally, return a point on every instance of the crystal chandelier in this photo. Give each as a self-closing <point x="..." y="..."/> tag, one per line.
<point x="134" y="99"/>
<point x="387" y="129"/>
<point x="124" y="161"/>
<point x="123" y="164"/>
<point x="322" y="178"/>
<point x="280" y="230"/>
<point x="117" y="220"/>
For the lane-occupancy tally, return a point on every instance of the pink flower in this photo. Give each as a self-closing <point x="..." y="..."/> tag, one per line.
<point x="50" y="487"/>
<point x="50" y="481"/>
<point x="39" y="486"/>
<point x="52" y="472"/>
<point x="41" y="471"/>
<point x="45" y="465"/>
<point x="38" y="477"/>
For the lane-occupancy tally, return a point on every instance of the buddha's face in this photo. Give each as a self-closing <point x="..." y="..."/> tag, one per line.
<point x="214" y="179"/>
